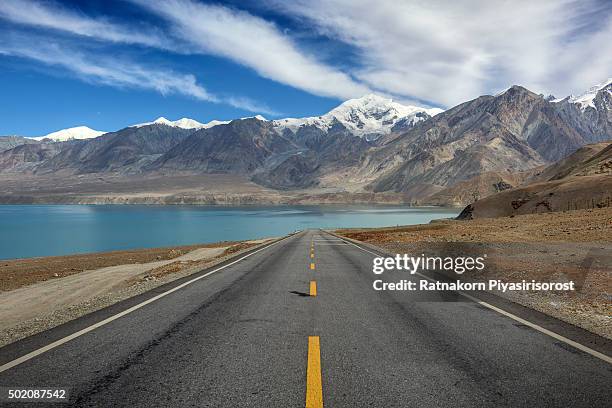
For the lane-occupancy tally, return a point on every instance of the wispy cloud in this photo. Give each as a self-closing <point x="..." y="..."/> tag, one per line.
<point x="117" y="72"/>
<point x="53" y="16"/>
<point x="256" y="43"/>
<point x="110" y="71"/>
<point x="250" y="105"/>
<point x="448" y="52"/>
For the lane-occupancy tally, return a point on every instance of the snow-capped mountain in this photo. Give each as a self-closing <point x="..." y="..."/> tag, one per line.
<point x="590" y="112"/>
<point x="78" y="132"/>
<point x="369" y="116"/>
<point x="183" y="123"/>
<point x="587" y="99"/>
<point x="186" y="123"/>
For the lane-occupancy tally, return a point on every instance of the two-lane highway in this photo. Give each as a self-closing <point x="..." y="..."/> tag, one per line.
<point x="298" y="324"/>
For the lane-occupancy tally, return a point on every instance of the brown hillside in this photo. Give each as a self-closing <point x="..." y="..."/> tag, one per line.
<point x="581" y="181"/>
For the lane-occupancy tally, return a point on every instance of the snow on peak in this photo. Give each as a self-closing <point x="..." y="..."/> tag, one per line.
<point x="183" y="123"/>
<point x="371" y="112"/>
<point x="213" y="123"/>
<point x="258" y="117"/>
<point x="78" y="132"/>
<point x="586" y="99"/>
<point x="162" y="121"/>
<point x="370" y="115"/>
<point x="187" y="123"/>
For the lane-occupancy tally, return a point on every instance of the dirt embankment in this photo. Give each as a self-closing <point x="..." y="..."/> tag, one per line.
<point x="583" y="180"/>
<point x="576" y="193"/>
<point x="551" y="247"/>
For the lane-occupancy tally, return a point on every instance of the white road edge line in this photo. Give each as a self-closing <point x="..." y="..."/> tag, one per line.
<point x="101" y="323"/>
<point x="552" y="334"/>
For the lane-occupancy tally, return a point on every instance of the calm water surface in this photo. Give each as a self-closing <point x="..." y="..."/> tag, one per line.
<point x="43" y="230"/>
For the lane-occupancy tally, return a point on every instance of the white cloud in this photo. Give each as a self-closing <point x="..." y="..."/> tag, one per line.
<point x="113" y="71"/>
<point x="447" y="52"/>
<point x="110" y="71"/>
<point x="53" y="16"/>
<point x="442" y="52"/>
<point x="255" y="43"/>
<point x="250" y="105"/>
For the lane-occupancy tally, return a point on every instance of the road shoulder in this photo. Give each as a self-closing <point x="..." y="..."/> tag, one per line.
<point x="570" y="331"/>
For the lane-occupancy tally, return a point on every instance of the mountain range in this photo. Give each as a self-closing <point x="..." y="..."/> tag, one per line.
<point x="367" y="147"/>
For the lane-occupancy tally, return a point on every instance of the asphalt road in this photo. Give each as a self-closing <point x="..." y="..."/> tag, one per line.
<point x="251" y="335"/>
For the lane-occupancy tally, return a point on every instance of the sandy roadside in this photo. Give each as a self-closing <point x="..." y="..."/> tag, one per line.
<point x="552" y="247"/>
<point x="16" y="273"/>
<point x="39" y="298"/>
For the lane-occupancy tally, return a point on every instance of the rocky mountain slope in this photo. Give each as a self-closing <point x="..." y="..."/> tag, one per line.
<point x="25" y="158"/>
<point x="509" y="133"/>
<point x="334" y="152"/>
<point x="583" y="180"/>
<point x="125" y="151"/>
<point x="8" y="142"/>
<point x="478" y="187"/>
<point x="240" y="147"/>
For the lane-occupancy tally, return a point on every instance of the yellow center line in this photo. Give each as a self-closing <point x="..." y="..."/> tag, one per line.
<point x="312" y="265"/>
<point x="313" y="288"/>
<point x="312" y="255"/>
<point x="314" y="387"/>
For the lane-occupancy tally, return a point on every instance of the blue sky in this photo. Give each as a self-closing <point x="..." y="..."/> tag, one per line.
<point x="109" y="64"/>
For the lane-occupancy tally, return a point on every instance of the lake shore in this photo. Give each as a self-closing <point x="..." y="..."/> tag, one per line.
<point x="183" y="189"/>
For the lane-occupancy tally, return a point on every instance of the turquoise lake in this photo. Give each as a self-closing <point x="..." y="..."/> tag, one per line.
<point x="44" y="230"/>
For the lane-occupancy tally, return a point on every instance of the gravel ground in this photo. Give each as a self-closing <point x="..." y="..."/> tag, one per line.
<point x="16" y="273"/>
